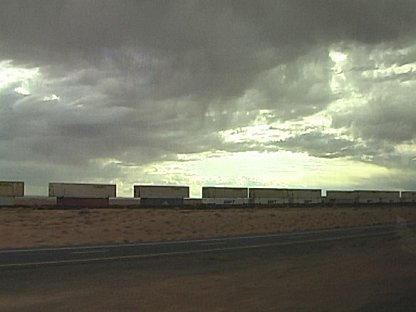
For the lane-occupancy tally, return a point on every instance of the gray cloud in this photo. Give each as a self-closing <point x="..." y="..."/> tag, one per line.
<point x="191" y="48"/>
<point x="297" y="89"/>
<point x="385" y="117"/>
<point x="322" y="145"/>
<point x="388" y="120"/>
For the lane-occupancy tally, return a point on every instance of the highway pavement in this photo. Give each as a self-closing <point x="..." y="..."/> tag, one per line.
<point x="29" y="257"/>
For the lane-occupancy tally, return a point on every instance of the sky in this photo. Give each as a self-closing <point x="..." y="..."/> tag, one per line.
<point x="293" y="93"/>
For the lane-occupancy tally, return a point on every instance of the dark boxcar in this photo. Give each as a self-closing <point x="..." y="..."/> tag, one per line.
<point x="11" y="188"/>
<point x="161" y="202"/>
<point x="75" y="202"/>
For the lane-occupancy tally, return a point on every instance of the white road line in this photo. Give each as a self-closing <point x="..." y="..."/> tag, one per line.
<point x="189" y="252"/>
<point x="156" y="243"/>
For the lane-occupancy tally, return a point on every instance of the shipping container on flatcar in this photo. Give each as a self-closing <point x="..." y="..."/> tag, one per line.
<point x="408" y="197"/>
<point x="268" y="196"/>
<point x="224" y="192"/>
<point x="161" y="191"/>
<point x="268" y="193"/>
<point x="82" y="190"/>
<point x="377" y="197"/>
<point x="340" y="197"/>
<point x="11" y="188"/>
<point x="305" y="196"/>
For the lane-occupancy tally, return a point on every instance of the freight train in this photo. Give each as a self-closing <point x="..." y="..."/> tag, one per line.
<point x="87" y="195"/>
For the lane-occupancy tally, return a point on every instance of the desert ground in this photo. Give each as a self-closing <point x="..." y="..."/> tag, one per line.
<point x="22" y="227"/>
<point x="367" y="274"/>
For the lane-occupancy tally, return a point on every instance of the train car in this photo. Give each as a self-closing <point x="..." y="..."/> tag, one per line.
<point x="7" y="201"/>
<point x="36" y="201"/>
<point x="192" y="202"/>
<point x="161" y="191"/>
<point x="123" y="202"/>
<point x="82" y="190"/>
<point x="377" y="197"/>
<point x="268" y="196"/>
<point x="224" y="192"/>
<point x="225" y="202"/>
<point x="269" y="202"/>
<point x="305" y="196"/>
<point x="340" y="197"/>
<point x="82" y="202"/>
<point x="163" y="202"/>
<point x="408" y="197"/>
<point x="11" y="188"/>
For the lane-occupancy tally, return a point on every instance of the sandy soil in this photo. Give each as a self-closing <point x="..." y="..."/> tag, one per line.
<point x="355" y="279"/>
<point x="28" y="227"/>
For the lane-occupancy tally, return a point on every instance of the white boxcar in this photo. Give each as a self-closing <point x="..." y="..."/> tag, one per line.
<point x="224" y="192"/>
<point x="161" y="191"/>
<point x="340" y="197"/>
<point x="408" y="197"/>
<point x="36" y="201"/>
<point x="225" y="201"/>
<point x="305" y="196"/>
<point x="373" y="197"/>
<point x="11" y="188"/>
<point x="82" y="190"/>
<point x="124" y="202"/>
<point x="7" y="201"/>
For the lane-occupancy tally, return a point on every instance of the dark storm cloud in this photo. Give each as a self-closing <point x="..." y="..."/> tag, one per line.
<point x="196" y="48"/>
<point x="297" y="89"/>
<point x="142" y="81"/>
<point x="53" y="131"/>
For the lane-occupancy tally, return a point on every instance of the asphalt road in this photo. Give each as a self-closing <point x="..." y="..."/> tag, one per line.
<point x="28" y="257"/>
<point x="369" y="268"/>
